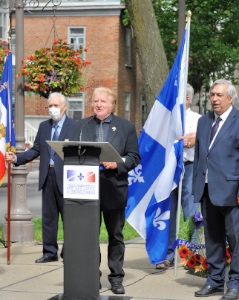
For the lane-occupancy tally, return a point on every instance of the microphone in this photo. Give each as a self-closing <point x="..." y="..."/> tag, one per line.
<point x="90" y="119"/>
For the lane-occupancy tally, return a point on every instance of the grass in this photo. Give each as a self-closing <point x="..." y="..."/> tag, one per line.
<point x="128" y="231"/>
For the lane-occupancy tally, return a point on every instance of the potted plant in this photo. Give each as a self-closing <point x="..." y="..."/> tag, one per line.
<point x="55" y="69"/>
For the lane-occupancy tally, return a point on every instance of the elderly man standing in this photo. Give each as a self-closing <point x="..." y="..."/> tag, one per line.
<point x="104" y="126"/>
<point x="216" y="186"/>
<point x="59" y="127"/>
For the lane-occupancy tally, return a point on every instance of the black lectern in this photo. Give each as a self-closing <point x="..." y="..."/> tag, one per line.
<point x="82" y="215"/>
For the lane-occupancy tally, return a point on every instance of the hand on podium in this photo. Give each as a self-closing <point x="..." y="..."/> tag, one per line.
<point x="109" y="165"/>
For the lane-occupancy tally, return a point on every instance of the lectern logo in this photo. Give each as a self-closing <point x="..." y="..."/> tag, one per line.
<point x="85" y="176"/>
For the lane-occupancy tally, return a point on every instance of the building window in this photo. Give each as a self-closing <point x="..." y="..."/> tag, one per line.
<point x="76" y="38"/>
<point x="75" y="106"/>
<point x="143" y="111"/>
<point x="128" y="47"/>
<point x="3" y="26"/>
<point x="127" y="106"/>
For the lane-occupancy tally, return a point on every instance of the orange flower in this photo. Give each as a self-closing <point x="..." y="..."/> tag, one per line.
<point x="183" y="251"/>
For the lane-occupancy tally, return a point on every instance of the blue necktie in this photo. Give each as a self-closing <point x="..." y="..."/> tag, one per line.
<point x="215" y="128"/>
<point x="54" y="138"/>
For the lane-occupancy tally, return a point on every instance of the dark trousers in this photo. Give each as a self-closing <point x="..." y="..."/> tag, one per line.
<point x="52" y="205"/>
<point x="221" y="223"/>
<point x="114" y="222"/>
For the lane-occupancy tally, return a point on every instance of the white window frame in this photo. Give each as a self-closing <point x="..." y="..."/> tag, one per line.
<point x="77" y="36"/>
<point x="4" y="24"/>
<point x="74" y="98"/>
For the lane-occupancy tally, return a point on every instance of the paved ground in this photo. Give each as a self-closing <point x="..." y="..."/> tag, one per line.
<point x="25" y="280"/>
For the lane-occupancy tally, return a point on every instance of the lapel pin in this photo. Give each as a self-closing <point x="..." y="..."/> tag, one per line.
<point x="113" y="128"/>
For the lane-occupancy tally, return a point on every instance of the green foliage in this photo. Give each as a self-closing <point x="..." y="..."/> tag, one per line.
<point x="214" y="45"/>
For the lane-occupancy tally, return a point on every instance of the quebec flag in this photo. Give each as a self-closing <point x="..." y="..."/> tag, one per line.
<point x="151" y="182"/>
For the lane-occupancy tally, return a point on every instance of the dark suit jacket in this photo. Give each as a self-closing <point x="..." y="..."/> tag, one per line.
<point x="42" y="149"/>
<point x="221" y="161"/>
<point x="122" y="136"/>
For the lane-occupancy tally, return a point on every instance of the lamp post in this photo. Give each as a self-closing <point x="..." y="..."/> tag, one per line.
<point x="22" y="228"/>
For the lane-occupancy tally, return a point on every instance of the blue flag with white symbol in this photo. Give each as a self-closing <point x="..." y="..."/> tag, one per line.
<point x="151" y="182"/>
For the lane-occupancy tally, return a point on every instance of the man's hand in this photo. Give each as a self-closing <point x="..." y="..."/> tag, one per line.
<point x="238" y="200"/>
<point x="109" y="165"/>
<point x="188" y="140"/>
<point x="10" y="156"/>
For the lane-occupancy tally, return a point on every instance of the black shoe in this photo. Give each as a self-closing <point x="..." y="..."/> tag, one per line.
<point x="208" y="290"/>
<point x="45" y="259"/>
<point x="117" y="287"/>
<point x="231" y="294"/>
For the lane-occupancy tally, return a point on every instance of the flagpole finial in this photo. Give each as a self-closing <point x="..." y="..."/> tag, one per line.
<point x="189" y="14"/>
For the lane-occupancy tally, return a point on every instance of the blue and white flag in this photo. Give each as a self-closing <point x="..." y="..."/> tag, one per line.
<point x="151" y="182"/>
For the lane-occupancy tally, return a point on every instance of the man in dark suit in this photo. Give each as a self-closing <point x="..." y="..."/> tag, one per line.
<point x="216" y="186"/>
<point x="51" y="171"/>
<point x="104" y="126"/>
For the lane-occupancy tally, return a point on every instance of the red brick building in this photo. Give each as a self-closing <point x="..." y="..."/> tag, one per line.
<point x="97" y="26"/>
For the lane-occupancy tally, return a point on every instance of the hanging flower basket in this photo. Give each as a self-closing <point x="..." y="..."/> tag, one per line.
<point x="56" y="69"/>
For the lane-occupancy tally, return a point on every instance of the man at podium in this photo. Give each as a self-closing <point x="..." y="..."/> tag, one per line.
<point x="104" y="126"/>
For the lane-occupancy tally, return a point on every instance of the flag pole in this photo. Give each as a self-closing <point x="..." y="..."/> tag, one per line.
<point x="8" y="212"/>
<point x="189" y="14"/>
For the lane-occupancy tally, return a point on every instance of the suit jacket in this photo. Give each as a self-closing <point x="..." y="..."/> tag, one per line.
<point x="221" y="161"/>
<point x="42" y="149"/>
<point x="122" y="136"/>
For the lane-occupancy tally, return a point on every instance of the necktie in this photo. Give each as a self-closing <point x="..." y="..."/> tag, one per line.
<point x="215" y="128"/>
<point x="101" y="132"/>
<point x="54" y="138"/>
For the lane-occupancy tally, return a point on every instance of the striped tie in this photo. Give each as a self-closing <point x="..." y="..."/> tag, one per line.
<point x="215" y="128"/>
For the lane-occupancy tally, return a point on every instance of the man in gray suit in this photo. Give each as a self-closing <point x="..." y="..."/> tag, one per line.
<point x="216" y="186"/>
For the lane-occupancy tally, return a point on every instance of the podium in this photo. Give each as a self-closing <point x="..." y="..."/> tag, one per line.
<point x="82" y="216"/>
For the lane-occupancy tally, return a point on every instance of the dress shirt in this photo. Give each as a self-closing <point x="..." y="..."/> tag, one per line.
<point x="191" y="122"/>
<point x="223" y="119"/>
<point x="60" y="124"/>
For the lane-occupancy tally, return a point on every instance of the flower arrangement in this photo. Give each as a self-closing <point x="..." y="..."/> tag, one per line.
<point x="55" y="69"/>
<point x="195" y="262"/>
<point x="3" y="54"/>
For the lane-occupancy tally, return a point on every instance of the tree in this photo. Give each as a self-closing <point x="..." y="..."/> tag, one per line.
<point x="149" y="45"/>
<point x="214" y="46"/>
